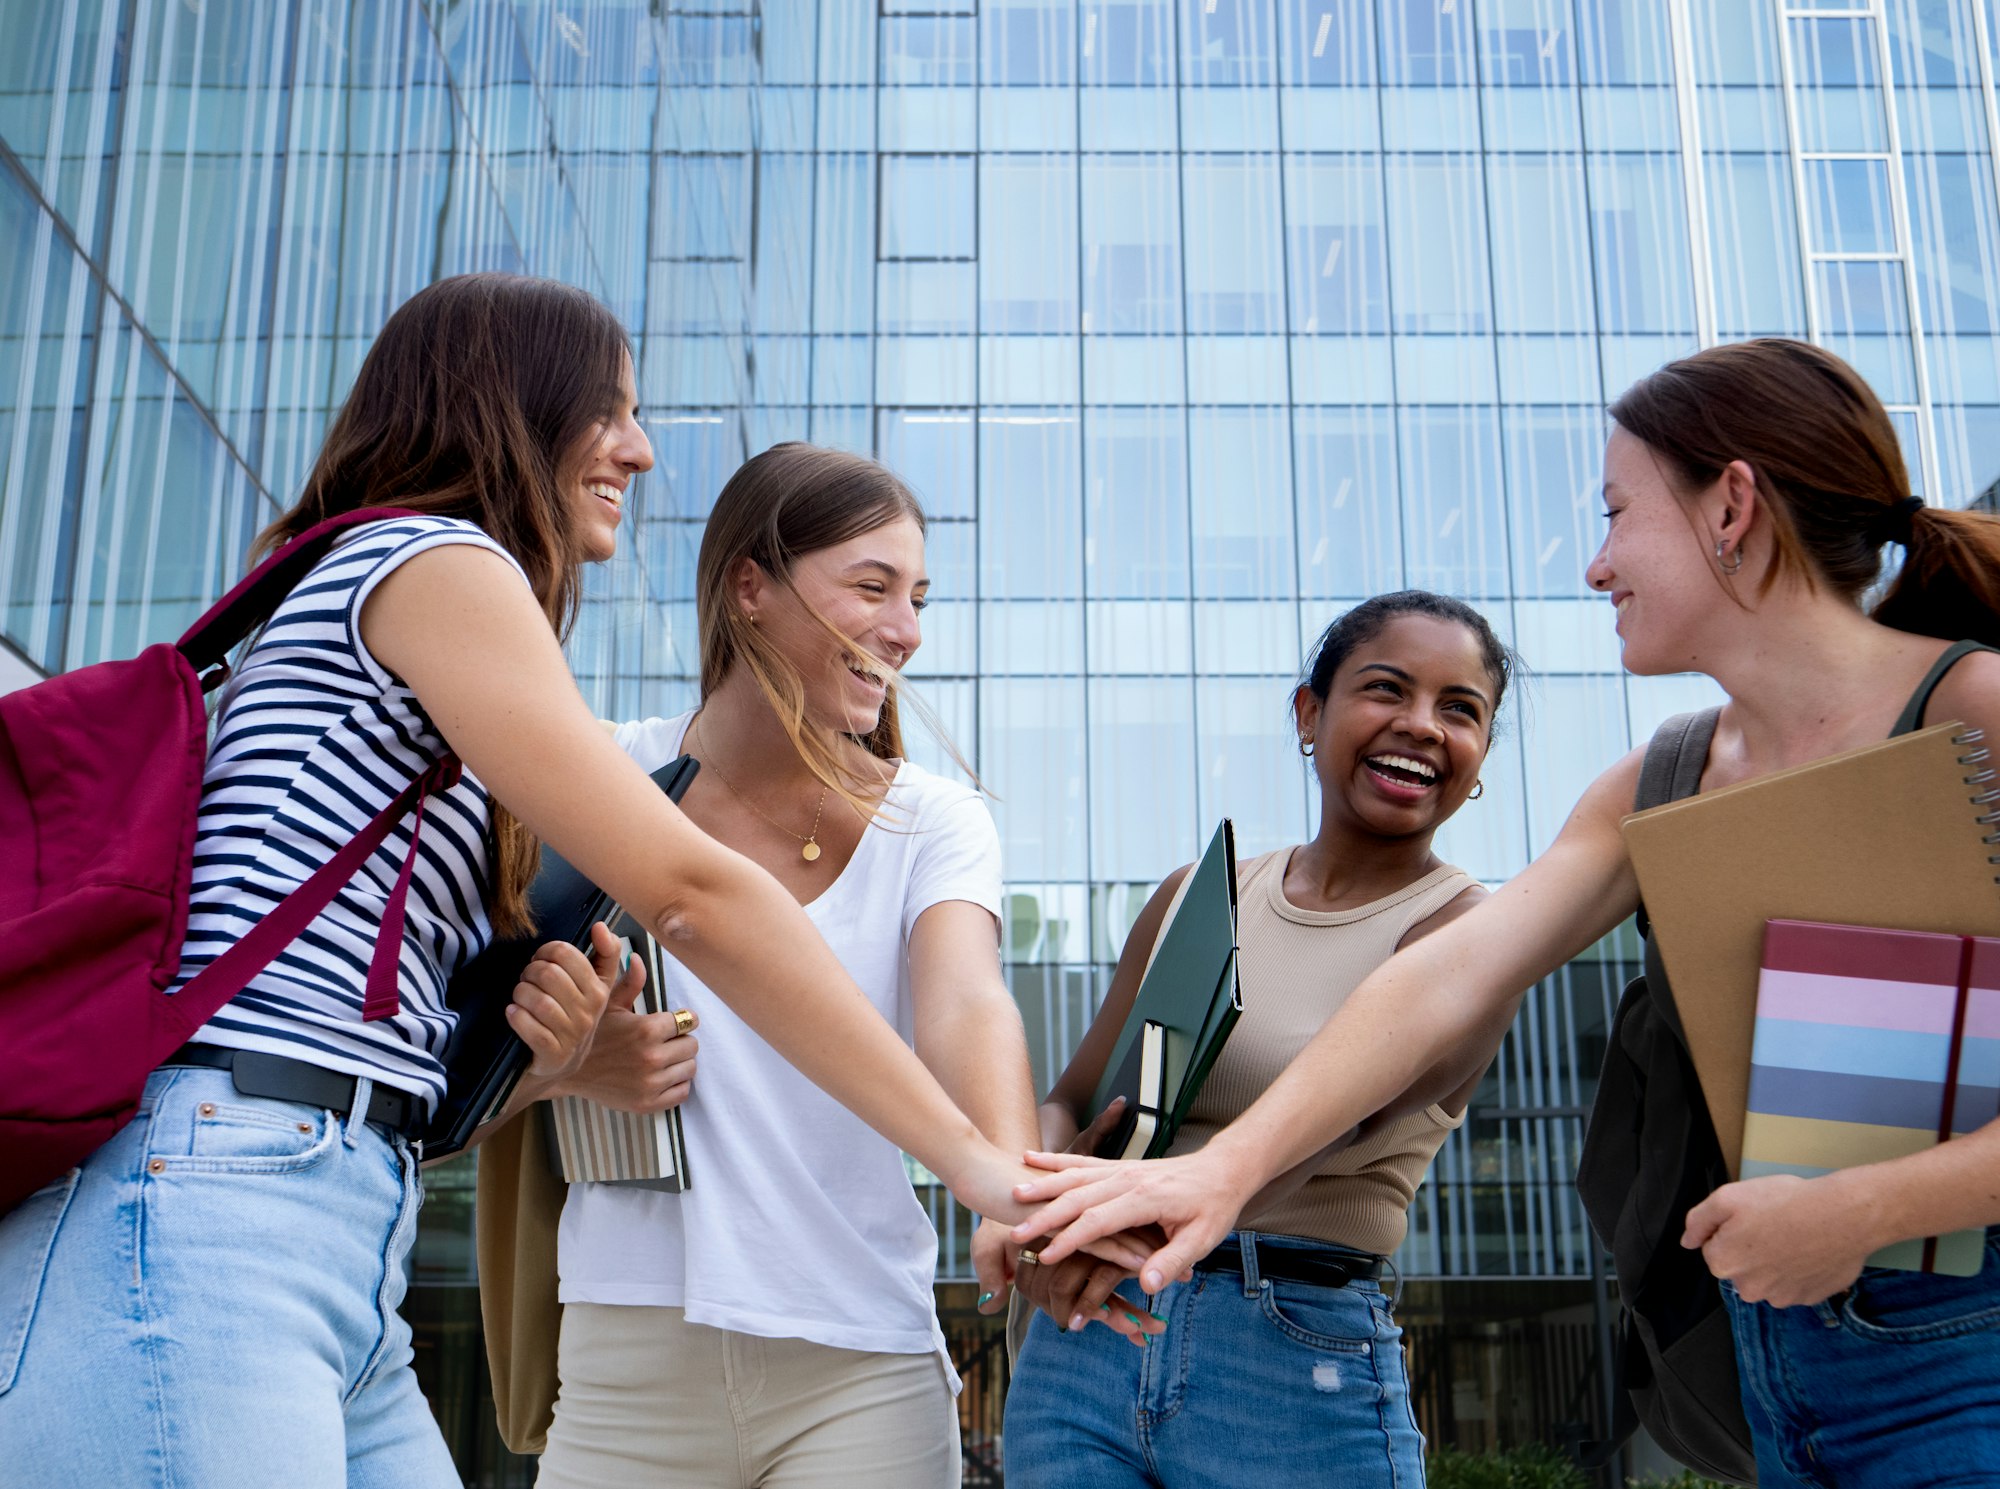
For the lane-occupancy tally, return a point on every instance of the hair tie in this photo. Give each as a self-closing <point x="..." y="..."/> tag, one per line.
<point x="1896" y="523"/>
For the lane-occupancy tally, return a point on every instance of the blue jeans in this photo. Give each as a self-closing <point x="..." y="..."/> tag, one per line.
<point x="1893" y="1384"/>
<point x="209" y="1302"/>
<point x="1255" y="1383"/>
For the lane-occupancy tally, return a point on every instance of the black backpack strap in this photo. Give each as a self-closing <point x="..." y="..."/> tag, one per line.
<point x="1913" y="711"/>
<point x="1675" y="758"/>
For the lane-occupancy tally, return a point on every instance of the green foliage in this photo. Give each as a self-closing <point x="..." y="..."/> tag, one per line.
<point x="1535" y="1467"/>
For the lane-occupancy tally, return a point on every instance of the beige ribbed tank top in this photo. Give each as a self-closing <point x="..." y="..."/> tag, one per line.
<point x="1296" y="968"/>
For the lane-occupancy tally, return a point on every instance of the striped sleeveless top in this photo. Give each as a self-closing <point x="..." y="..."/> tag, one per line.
<point x="314" y="738"/>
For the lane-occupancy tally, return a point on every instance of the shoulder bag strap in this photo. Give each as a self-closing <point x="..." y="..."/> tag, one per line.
<point x="226" y="976"/>
<point x="1913" y="712"/>
<point x="264" y="588"/>
<point x="1675" y="758"/>
<point x="205" y="645"/>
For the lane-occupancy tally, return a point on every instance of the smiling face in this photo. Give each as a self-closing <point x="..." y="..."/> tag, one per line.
<point x="871" y="588"/>
<point x="600" y="470"/>
<point x="1405" y="726"/>
<point x="1652" y="563"/>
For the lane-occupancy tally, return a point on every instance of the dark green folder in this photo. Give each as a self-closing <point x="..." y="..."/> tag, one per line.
<point x="1190" y="989"/>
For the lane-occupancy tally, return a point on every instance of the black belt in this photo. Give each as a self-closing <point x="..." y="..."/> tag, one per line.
<point x="1322" y="1268"/>
<point x="259" y="1074"/>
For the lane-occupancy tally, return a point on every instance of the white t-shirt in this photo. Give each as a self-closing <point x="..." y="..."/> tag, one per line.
<point x="799" y="1221"/>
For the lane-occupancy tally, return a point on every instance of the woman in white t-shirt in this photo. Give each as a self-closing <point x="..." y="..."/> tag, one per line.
<point x="774" y="1324"/>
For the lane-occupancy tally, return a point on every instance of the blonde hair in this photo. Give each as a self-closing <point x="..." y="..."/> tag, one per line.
<point x="792" y="500"/>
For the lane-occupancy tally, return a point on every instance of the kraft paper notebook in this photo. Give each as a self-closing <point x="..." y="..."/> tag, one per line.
<point x="1891" y="835"/>
<point x="1873" y="1045"/>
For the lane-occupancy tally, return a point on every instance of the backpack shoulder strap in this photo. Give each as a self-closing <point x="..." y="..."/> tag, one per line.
<point x="1675" y="758"/>
<point x="222" y="979"/>
<point x="264" y="588"/>
<point x="1913" y="712"/>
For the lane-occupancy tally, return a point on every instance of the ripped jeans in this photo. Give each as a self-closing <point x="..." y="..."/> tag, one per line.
<point x="1255" y="1383"/>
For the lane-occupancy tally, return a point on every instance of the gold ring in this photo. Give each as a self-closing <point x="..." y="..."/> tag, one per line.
<point x="683" y="1020"/>
<point x="1030" y="1258"/>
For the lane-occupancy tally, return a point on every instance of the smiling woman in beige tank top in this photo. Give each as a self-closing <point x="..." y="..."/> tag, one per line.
<point x="1281" y="1362"/>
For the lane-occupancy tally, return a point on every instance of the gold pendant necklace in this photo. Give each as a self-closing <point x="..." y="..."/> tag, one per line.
<point x="810" y="852"/>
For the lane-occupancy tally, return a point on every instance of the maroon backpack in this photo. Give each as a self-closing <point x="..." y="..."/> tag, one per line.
<point x="100" y="781"/>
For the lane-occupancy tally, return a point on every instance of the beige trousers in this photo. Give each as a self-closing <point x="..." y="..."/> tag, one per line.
<point x="649" y="1399"/>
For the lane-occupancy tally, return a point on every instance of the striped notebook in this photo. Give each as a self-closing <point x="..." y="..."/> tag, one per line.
<point x="1871" y="1045"/>
<point x="599" y="1145"/>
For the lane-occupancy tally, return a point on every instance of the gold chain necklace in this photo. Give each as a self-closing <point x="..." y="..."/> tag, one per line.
<point x="810" y="851"/>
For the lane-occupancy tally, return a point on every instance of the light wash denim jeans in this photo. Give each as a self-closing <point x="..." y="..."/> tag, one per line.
<point x="1255" y="1385"/>
<point x="209" y="1302"/>
<point x="1894" y="1384"/>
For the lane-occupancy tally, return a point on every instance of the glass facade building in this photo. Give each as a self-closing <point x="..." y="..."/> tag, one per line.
<point x="1192" y="321"/>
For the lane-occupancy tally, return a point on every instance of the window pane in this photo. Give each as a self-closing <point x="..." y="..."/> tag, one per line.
<point x="927" y="207"/>
<point x="1339" y="277"/>
<point x="1327" y="41"/>
<point x="1030" y="512"/>
<point x="1135" y="470"/>
<point x="1349" y="512"/>
<point x="1131" y="243"/>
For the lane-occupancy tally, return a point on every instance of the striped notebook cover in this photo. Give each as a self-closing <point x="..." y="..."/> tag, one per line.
<point x="597" y="1144"/>
<point x="1871" y="1045"/>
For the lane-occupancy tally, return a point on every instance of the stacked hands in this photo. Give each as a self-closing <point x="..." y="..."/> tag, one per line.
<point x="1068" y="1228"/>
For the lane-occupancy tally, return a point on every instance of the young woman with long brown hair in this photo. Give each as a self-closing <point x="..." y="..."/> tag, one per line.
<point x="775" y="1323"/>
<point x="1750" y="491"/>
<point x="215" y="1300"/>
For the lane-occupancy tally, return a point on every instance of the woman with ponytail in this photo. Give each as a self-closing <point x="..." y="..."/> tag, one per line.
<point x="1750" y="491"/>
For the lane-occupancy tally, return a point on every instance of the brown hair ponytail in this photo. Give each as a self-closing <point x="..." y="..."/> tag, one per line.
<point x="472" y="403"/>
<point x="1830" y="471"/>
<point x="1949" y="586"/>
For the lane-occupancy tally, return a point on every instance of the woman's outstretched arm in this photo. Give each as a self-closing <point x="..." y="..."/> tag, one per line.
<point x="1421" y="1026"/>
<point x="460" y="628"/>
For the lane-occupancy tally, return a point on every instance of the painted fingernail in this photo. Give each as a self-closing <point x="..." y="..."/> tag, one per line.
<point x="1076" y="1320"/>
<point x="984" y="1299"/>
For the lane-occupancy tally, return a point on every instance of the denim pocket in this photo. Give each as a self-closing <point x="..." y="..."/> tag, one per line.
<point x="1335" y="1319"/>
<point x="247" y="1135"/>
<point x="1911" y="1307"/>
<point x="27" y="1236"/>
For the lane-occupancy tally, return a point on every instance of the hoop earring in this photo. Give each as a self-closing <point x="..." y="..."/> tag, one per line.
<point x="1478" y="790"/>
<point x="1728" y="568"/>
<point x="1305" y="748"/>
